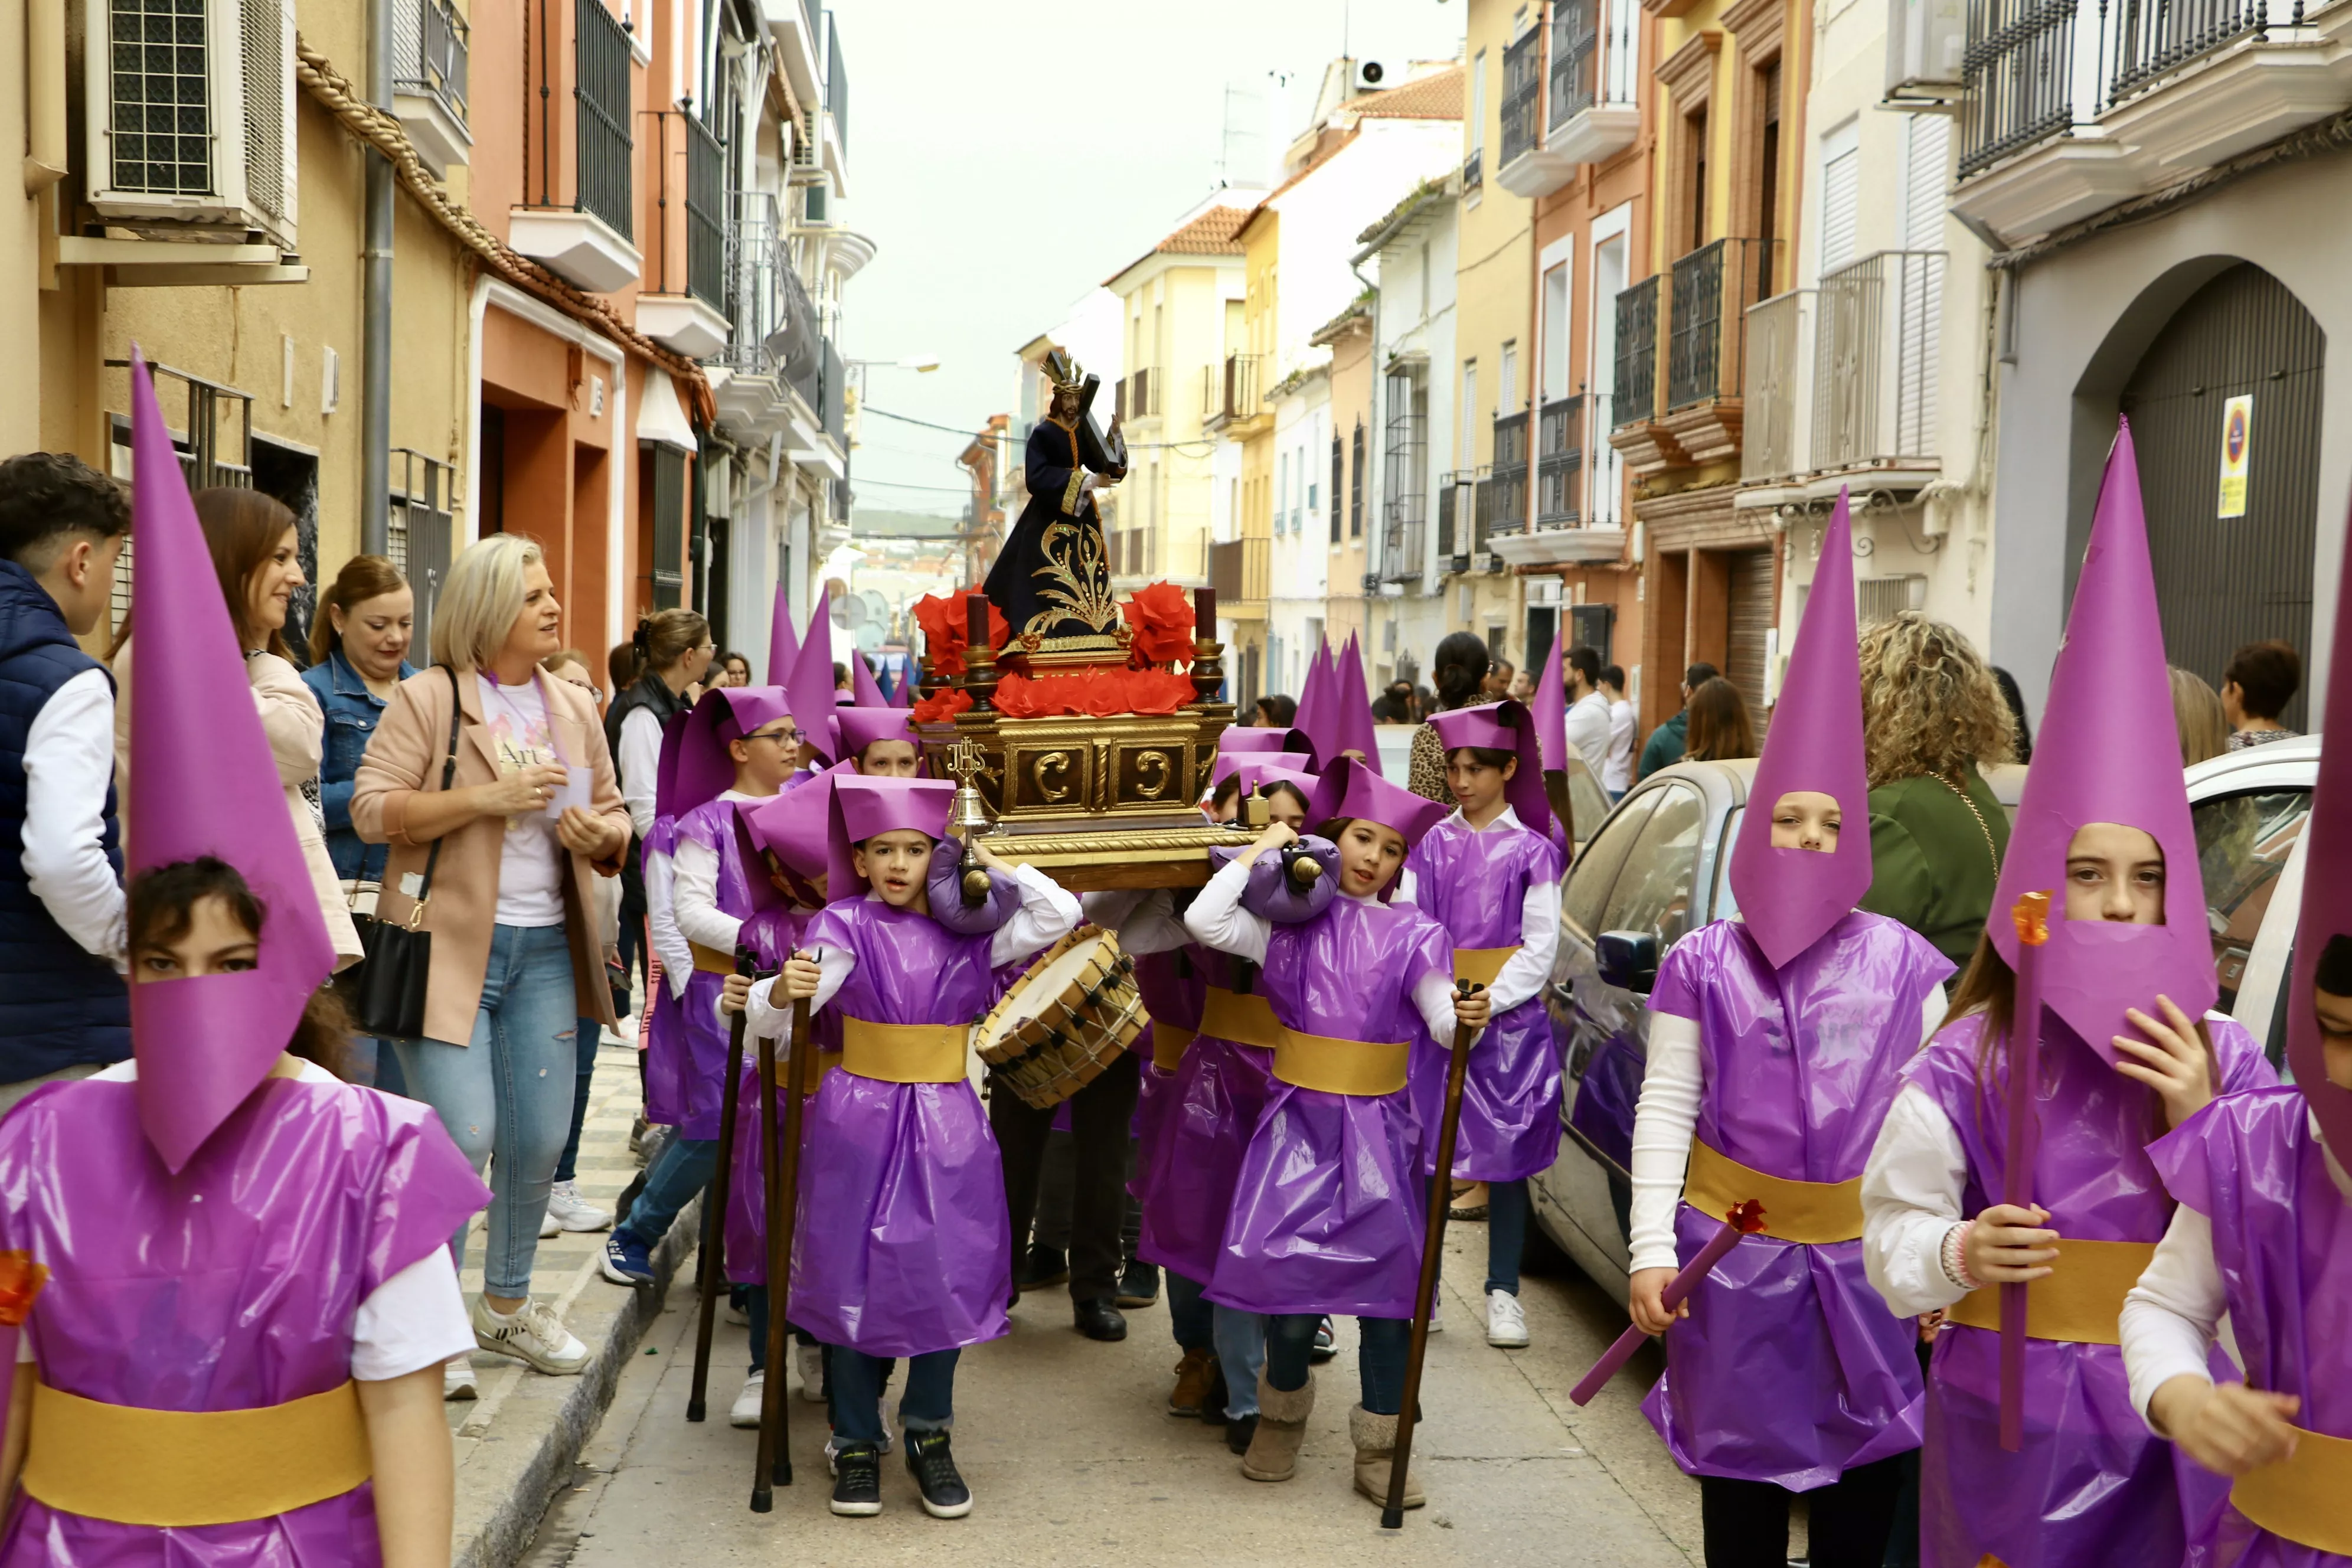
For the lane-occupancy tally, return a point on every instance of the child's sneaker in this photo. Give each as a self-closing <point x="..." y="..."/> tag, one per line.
<point x="933" y="1467"/>
<point x="858" y="1482"/>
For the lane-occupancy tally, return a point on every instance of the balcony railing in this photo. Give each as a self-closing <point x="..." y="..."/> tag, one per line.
<point x="1404" y="479"/>
<point x="1237" y="396"/>
<point x="428" y="52"/>
<point x="601" y="93"/>
<point x="1776" y="365"/>
<point x="2152" y="37"/>
<point x="1875" y="361"/>
<point x="1137" y="396"/>
<point x="1637" y="353"/>
<point x="1506" y="500"/>
<point x="706" y="208"/>
<point x="1593" y="56"/>
<point x="1453" y="514"/>
<point x="756" y="256"/>
<point x="1401" y="546"/>
<point x="1607" y="490"/>
<point x="1473" y="172"/>
<point x="1713" y="287"/>
<point x="1559" y="461"/>
<point x="1522" y="93"/>
<point x="1239" y="570"/>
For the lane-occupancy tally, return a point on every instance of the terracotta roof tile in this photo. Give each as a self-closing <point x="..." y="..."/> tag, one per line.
<point x="1437" y="96"/>
<point x="1210" y="234"/>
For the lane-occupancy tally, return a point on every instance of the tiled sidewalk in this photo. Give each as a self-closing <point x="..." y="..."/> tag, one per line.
<point x="517" y="1443"/>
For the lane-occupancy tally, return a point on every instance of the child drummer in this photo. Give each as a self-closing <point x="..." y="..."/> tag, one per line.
<point x="902" y="1244"/>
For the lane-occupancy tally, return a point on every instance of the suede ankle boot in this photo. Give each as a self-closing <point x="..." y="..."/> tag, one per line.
<point x="1375" y="1438"/>
<point x="1281" y="1427"/>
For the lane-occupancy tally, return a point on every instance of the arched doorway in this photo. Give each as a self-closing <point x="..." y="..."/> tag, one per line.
<point x="2222" y="582"/>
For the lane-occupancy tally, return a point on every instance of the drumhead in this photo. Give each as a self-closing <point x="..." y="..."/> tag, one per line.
<point x="1042" y="988"/>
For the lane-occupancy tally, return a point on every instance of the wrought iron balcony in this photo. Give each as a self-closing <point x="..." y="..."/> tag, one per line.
<point x="1503" y="500"/>
<point x="429" y="50"/>
<point x="1713" y="287"/>
<point x="1560" y="462"/>
<point x="1239" y="570"/>
<point x="1636" y="399"/>
<point x="1874" y="363"/>
<point x="601" y="95"/>
<point x="1235" y="394"/>
<point x="1522" y="93"/>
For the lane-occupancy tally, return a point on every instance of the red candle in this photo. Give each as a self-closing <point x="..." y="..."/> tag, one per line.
<point x="975" y="620"/>
<point x="1745" y="1220"/>
<point x="1205" y="614"/>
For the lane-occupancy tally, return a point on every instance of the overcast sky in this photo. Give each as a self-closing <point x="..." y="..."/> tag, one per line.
<point x="1004" y="159"/>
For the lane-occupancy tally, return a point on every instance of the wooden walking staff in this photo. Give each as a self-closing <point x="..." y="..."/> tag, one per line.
<point x="713" y="1267"/>
<point x="2031" y="915"/>
<point x="781" y="1168"/>
<point x="1432" y="1251"/>
<point x="1746" y="1219"/>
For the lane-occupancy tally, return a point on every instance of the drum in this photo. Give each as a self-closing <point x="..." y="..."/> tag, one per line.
<point x="1065" y="1021"/>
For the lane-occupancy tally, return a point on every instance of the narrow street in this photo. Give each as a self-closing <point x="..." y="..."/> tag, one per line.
<point x="1073" y="1460"/>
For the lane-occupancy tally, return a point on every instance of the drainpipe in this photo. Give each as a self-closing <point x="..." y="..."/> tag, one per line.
<point x="375" y="304"/>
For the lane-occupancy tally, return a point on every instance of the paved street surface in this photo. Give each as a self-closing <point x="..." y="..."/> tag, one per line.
<point x="1072" y="1458"/>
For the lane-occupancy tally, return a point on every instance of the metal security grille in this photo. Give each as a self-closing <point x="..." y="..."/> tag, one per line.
<point x="1750" y="619"/>
<point x="162" y="97"/>
<point x="1522" y="92"/>
<point x="1510" y="477"/>
<point x="1575" y="51"/>
<point x="2222" y="583"/>
<point x="603" y="97"/>
<point x="1355" y="482"/>
<point x="262" y="29"/>
<point x="1339" y="473"/>
<point x="706" y="206"/>
<point x="1636" y="392"/>
<point x="1559" y="466"/>
<point x="669" y="524"/>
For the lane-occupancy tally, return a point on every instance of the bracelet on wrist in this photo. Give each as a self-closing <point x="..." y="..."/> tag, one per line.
<point x="1953" y="1256"/>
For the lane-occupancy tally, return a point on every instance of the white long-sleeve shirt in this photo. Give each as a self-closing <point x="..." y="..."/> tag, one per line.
<point x="1527" y="971"/>
<point x="1217" y="919"/>
<point x="1047" y="915"/>
<point x="68" y="766"/>
<point x="2171" y="1317"/>
<point x="1666" y="1117"/>
<point x="661" y="922"/>
<point x="694" y="893"/>
<point x="639" y="765"/>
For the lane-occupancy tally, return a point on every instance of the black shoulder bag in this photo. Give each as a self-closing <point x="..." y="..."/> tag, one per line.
<point x="390" y="995"/>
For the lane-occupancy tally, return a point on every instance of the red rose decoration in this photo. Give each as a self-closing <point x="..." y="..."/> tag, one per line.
<point x="951" y="702"/>
<point x="1160" y="616"/>
<point x="947" y="630"/>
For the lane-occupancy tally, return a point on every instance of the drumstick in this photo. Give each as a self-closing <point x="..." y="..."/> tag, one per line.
<point x="714" y="1204"/>
<point x="775" y="1463"/>
<point x="1432" y="1248"/>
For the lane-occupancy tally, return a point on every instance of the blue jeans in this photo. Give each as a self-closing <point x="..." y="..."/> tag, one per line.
<point x="506" y="1095"/>
<point x="1506" y="1233"/>
<point x="1190" y="1313"/>
<point x="855" y="1380"/>
<point x="1381" y="1347"/>
<point x="755" y="1307"/>
<point x="684" y="1168"/>
<point x="1239" y="1338"/>
<point x="590" y="1034"/>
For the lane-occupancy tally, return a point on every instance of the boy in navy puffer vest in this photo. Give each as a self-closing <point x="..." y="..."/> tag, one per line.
<point x="63" y="1009"/>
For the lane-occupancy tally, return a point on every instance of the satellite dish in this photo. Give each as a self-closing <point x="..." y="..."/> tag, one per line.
<point x="1372" y="73"/>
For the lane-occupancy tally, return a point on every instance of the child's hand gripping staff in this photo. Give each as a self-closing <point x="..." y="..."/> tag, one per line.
<point x="782" y="1166"/>
<point x="712" y="1264"/>
<point x="1471" y="1009"/>
<point x="2031" y="915"/>
<point x="1745" y="1220"/>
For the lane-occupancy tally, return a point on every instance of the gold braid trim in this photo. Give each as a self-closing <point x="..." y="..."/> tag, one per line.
<point x="378" y="130"/>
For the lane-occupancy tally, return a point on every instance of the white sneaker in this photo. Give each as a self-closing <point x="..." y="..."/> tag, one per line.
<point x="458" y="1379"/>
<point x="734" y="1312"/>
<point x="533" y="1334"/>
<point x="746" y="1412"/>
<point x="1506" y="1324"/>
<point x="811" y="1362"/>
<point x="568" y="1209"/>
<point x="1436" y="1315"/>
<point x="548" y="1229"/>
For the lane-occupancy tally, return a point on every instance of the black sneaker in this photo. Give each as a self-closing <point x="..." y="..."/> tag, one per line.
<point x="858" y="1482"/>
<point x="1239" y="1431"/>
<point x="936" y="1476"/>
<point x="1043" y="1267"/>
<point x="1139" y="1285"/>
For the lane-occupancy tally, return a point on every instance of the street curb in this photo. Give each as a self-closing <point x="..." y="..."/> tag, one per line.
<point x="505" y="1483"/>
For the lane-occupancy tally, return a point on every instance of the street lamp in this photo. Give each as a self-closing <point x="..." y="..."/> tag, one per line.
<point x="921" y="365"/>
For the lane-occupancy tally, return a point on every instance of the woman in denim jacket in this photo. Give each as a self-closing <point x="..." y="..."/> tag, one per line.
<point x="358" y="647"/>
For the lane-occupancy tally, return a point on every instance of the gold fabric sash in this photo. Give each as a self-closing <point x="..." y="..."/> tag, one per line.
<point x="710" y="961"/>
<point x="1814" y="1212"/>
<point x="2080" y="1302"/>
<point x="180" y="1468"/>
<point x="1168" y="1045"/>
<point x="2302" y="1498"/>
<point x="904" y="1053"/>
<point x="1479" y="965"/>
<point x="1244" y="1020"/>
<point x="1340" y="1067"/>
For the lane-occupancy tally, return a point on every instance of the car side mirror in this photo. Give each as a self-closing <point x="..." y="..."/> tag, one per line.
<point x="1628" y="960"/>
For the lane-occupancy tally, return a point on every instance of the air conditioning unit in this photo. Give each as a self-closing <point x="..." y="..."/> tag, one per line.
<point x="1926" y="40"/>
<point x="191" y="122"/>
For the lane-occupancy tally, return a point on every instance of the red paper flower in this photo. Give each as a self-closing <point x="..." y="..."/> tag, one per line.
<point x="1158" y="691"/>
<point x="21" y="1279"/>
<point x="946" y="624"/>
<point x="1101" y="691"/>
<point x="1160" y="614"/>
<point x="951" y="702"/>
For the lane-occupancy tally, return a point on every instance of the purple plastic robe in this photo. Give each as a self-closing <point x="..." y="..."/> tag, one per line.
<point x="902" y="1244"/>
<point x="2283" y="1240"/>
<point x="1790" y="1368"/>
<point x="685" y="1056"/>
<point x="1475" y="885"/>
<point x="1170" y="986"/>
<point x="771" y="935"/>
<point x="1208" y="1109"/>
<point x="1327" y="1212"/>
<point x="230" y="1286"/>
<point x="2091" y="1485"/>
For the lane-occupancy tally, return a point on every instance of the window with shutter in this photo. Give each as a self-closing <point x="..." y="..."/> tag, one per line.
<point x="1841" y="193"/>
<point x="1338" y="483"/>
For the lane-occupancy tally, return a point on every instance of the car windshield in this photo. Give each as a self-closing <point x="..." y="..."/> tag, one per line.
<point x="2243" y="843"/>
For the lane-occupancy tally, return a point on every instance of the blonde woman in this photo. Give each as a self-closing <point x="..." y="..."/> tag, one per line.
<point x="1931" y="717"/>
<point x="531" y="818"/>
<point x="2197" y="712"/>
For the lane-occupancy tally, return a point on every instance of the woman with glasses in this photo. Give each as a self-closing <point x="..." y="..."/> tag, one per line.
<point x="739" y="745"/>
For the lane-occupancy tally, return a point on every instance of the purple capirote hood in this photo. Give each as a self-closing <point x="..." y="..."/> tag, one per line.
<point x="1791" y="898"/>
<point x="206" y="785"/>
<point x="2109" y="722"/>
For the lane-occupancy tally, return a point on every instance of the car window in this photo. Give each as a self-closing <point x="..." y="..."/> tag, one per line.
<point x="1588" y="802"/>
<point x="1589" y="879"/>
<point x="1727" y="903"/>
<point x="2242" y="842"/>
<point x="1652" y="893"/>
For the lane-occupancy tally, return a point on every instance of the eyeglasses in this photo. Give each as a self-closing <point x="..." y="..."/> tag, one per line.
<point x="781" y="737"/>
